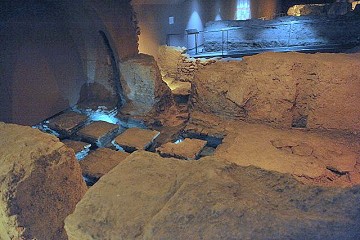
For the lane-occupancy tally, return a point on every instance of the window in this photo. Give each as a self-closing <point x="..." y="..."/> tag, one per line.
<point x="243" y="10"/>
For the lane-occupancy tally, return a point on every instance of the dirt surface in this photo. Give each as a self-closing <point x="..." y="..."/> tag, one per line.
<point x="149" y="197"/>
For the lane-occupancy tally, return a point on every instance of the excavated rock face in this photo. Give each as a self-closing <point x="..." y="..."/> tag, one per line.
<point x="40" y="184"/>
<point x="149" y="197"/>
<point x="143" y="86"/>
<point x="284" y="89"/>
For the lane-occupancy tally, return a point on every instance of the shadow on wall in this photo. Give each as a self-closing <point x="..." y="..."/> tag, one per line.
<point x="50" y="49"/>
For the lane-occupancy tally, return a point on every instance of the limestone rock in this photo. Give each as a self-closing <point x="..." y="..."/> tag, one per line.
<point x="149" y="197"/>
<point x="40" y="184"/>
<point x="67" y="123"/>
<point x="99" y="132"/>
<point x="142" y="84"/>
<point x="188" y="149"/>
<point x="100" y="162"/>
<point x="136" y="139"/>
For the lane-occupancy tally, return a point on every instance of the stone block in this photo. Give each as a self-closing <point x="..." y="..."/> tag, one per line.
<point x="136" y="139"/>
<point x="188" y="149"/>
<point x="81" y="149"/>
<point x="67" y="123"/>
<point x="100" y="162"/>
<point x="142" y="83"/>
<point x="99" y="133"/>
<point x="40" y="184"/>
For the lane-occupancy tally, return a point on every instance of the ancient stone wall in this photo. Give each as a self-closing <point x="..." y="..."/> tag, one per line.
<point x="281" y="32"/>
<point x="174" y="63"/>
<point x="284" y="89"/>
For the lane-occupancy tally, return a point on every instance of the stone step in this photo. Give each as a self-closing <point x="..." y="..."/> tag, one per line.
<point x="188" y="149"/>
<point x="81" y="149"/>
<point x="136" y="139"/>
<point x="100" y="162"/>
<point x="67" y="123"/>
<point x="98" y="133"/>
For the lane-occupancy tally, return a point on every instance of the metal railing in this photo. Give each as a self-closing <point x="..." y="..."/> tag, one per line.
<point x="227" y="38"/>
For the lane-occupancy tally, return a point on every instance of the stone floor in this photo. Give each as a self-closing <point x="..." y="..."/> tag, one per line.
<point x="101" y="139"/>
<point x="253" y="177"/>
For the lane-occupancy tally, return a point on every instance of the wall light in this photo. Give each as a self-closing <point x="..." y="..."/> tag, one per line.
<point x="243" y="10"/>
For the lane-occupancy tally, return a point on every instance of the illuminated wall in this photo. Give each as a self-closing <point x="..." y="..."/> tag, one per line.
<point x="243" y="10"/>
<point x="154" y="19"/>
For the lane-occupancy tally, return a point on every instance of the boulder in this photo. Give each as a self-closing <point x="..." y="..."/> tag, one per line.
<point x="136" y="139"/>
<point x="67" y="123"/>
<point x="142" y="85"/>
<point x="149" y="197"/>
<point x="98" y="133"/>
<point x="188" y="149"/>
<point x="100" y="162"/>
<point x="40" y="184"/>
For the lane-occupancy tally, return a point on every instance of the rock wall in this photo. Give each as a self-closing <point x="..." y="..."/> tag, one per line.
<point x="40" y="184"/>
<point x="174" y="63"/>
<point x="284" y="89"/>
<point x="281" y="32"/>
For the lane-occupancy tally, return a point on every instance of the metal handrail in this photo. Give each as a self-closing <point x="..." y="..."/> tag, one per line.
<point x="225" y="33"/>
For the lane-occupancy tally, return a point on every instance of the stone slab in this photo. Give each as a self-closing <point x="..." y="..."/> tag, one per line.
<point x="136" y="139"/>
<point x="77" y="146"/>
<point x="40" y="184"/>
<point x="100" y="162"/>
<point x="67" y="123"/>
<point x="150" y="197"/>
<point x="188" y="149"/>
<point x="99" y="132"/>
<point x="81" y="149"/>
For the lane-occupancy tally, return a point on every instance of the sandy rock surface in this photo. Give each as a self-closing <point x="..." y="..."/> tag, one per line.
<point x="67" y="123"/>
<point x="99" y="132"/>
<point x="188" y="149"/>
<point x="149" y="197"/>
<point x="100" y="162"/>
<point x="40" y="184"/>
<point x="136" y="139"/>
<point x="313" y="157"/>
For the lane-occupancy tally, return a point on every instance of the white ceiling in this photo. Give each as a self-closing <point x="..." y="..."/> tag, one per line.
<point x="138" y="2"/>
